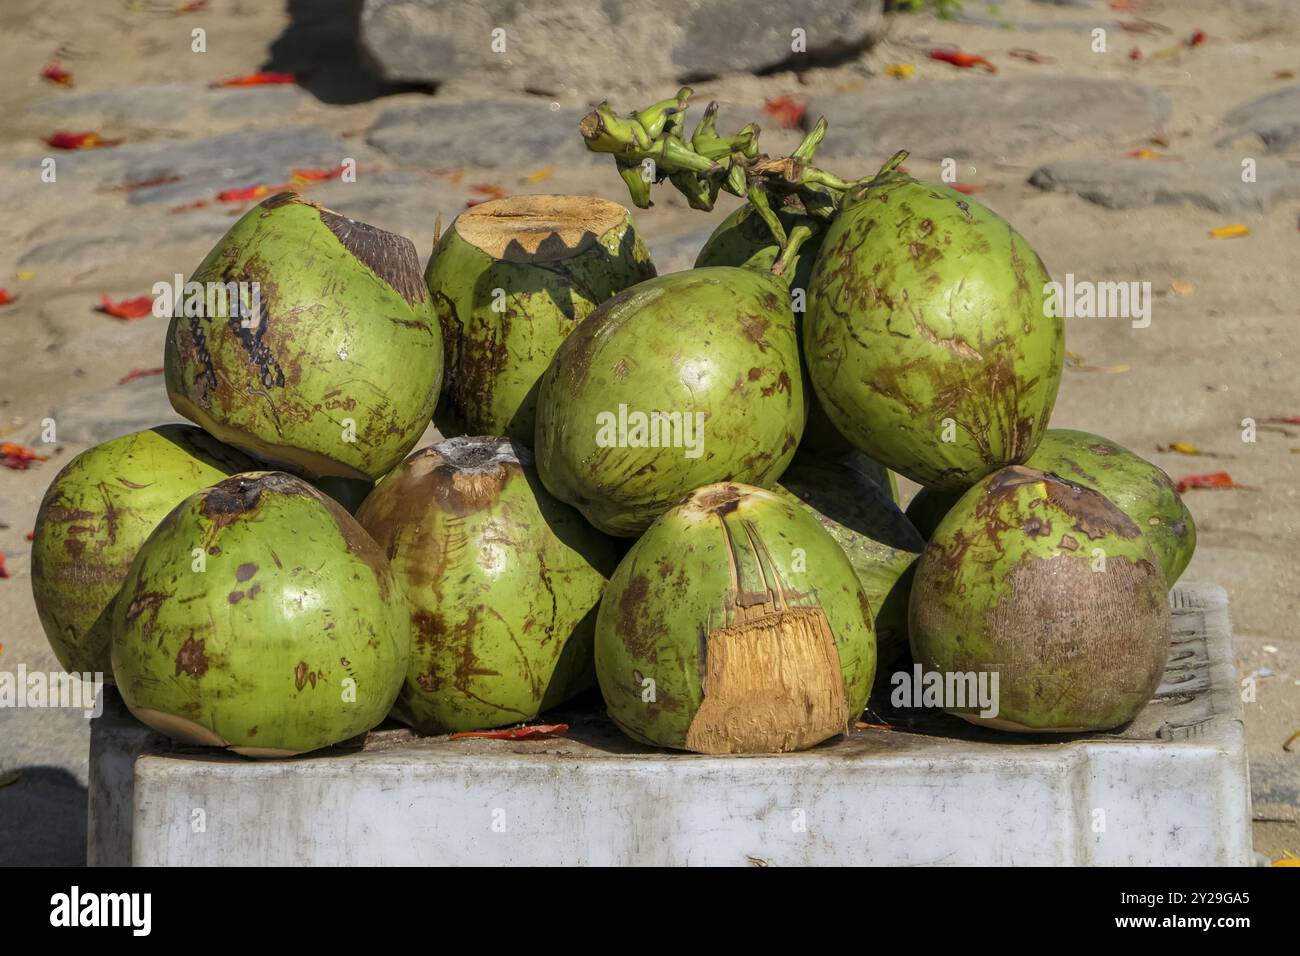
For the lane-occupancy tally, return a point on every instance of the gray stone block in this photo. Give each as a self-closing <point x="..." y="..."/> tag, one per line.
<point x="1213" y="184"/>
<point x="985" y="117"/>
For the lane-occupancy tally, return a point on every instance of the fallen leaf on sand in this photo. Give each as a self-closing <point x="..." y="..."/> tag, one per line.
<point x="301" y="177"/>
<point x="1282" y="420"/>
<point x="257" y="79"/>
<point x="900" y="71"/>
<point x="248" y="193"/>
<point x="1073" y="360"/>
<point x="1212" y="481"/>
<point x="863" y="725"/>
<point x="136" y="308"/>
<point x="1284" y="75"/>
<point x="1197" y="38"/>
<point x="1144" y="26"/>
<point x="57" y="74"/>
<point x="65" y="140"/>
<point x="535" y="732"/>
<point x="485" y="191"/>
<point x="786" y="110"/>
<point x="6" y="298"/>
<point x="540" y="175"/>
<point x="1033" y="56"/>
<point x="4" y="572"/>
<point x="1290" y="740"/>
<point x="963" y="60"/>
<point x="133" y="185"/>
<point x="1234" y="231"/>
<point x="18" y="457"/>
<point x="1182" y="288"/>
<point x="1182" y="447"/>
<point x="135" y="373"/>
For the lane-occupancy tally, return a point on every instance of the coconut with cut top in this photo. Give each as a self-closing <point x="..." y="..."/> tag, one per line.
<point x="502" y="583"/>
<point x="325" y="358"/>
<point x="510" y="279"/>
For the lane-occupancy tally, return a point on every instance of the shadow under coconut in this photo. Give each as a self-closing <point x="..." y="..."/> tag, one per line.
<point x="43" y="819"/>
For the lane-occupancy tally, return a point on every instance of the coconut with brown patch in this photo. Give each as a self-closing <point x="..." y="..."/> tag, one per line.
<point x="329" y="362"/>
<point x="928" y="339"/>
<point x="678" y="382"/>
<point x="501" y="580"/>
<point x="1051" y="587"/>
<point x="92" y="520"/>
<point x="510" y="279"/>
<point x="877" y="538"/>
<point x="735" y="625"/>
<point x="1137" y="487"/>
<point x="261" y="617"/>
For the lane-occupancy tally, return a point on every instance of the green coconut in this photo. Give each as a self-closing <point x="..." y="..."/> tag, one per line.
<point x="349" y="492"/>
<point x="872" y="471"/>
<point x="510" y="279"/>
<point x="735" y="625"/>
<point x="333" y="368"/>
<point x="927" y="508"/>
<point x="502" y="582"/>
<point x="878" y="540"/>
<point x="677" y="382"/>
<point x="261" y="617"/>
<point x="1052" y="588"/>
<point x="743" y="239"/>
<point x="95" y="515"/>
<point x="927" y="338"/>
<point x="1137" y="487"/>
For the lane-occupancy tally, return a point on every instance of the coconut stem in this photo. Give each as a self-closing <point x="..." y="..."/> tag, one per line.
<point x="704" y="164"/>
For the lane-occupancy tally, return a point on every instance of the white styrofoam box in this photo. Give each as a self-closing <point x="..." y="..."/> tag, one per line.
<point x="1169" y="789"/>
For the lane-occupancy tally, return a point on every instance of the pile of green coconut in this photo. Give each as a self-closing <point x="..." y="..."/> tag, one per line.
<point x="679" y="488"/>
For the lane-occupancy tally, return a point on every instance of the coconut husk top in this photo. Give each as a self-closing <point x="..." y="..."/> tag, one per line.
<point x="538" y="228"/>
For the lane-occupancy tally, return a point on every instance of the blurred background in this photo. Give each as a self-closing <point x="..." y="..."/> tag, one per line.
<point x="1114" y="134"/>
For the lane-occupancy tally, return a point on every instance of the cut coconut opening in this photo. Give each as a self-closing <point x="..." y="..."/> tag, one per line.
<point x="477" y="455"/>
<point x="538" y="228"/>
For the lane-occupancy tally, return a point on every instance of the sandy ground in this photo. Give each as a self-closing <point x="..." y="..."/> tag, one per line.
<point x="1220" y="347"/>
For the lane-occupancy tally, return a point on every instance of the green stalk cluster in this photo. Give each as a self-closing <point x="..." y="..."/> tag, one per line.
<point x="650" y="145"/>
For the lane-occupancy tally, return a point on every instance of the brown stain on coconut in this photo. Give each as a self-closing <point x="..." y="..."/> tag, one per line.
<point x="192" y="658"/>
